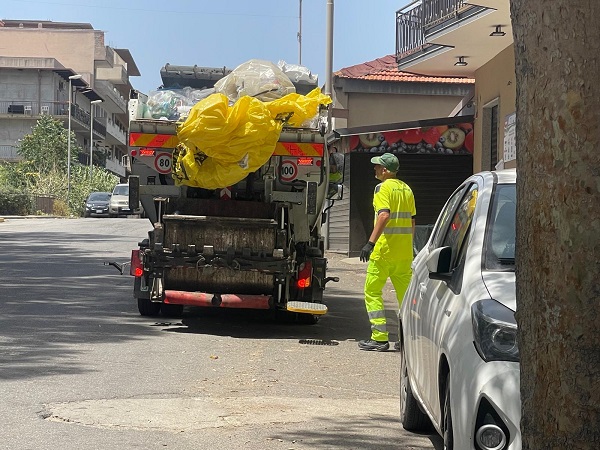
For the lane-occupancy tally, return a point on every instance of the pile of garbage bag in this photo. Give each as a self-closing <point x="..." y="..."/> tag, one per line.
<point x="233" y="131"/>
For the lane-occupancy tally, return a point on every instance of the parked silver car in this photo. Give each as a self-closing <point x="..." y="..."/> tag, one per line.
<point x="119" y="202"/>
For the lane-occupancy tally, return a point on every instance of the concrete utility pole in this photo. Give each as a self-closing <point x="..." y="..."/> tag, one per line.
<point x="300" y="34"/>
<point x="329" y="49"/>
<point x="92" y="103"/>
<point x="71" y="78"/>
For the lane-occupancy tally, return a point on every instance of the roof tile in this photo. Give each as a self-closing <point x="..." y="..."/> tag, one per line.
<point x="386" y="69"/>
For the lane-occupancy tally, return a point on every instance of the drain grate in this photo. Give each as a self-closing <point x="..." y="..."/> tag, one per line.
<point x="317" y="342"/>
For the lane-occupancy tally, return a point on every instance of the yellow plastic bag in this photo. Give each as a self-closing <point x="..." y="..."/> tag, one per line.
<point x="221" y="144"/>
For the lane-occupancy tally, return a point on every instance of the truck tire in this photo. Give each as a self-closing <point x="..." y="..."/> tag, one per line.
<point x="148" y="308"/>
<point x="169" y="310"/>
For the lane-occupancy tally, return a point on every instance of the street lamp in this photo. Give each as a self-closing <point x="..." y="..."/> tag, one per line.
<point x="71" y="78"/>
<point x="92" y="103"/>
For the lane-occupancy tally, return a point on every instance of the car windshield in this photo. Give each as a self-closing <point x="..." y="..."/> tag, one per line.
<point x="99" y="197"/>
<point x="500" y="236"/>
<point x="121" y="190"/>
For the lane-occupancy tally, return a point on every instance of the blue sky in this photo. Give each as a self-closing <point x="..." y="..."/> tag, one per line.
<point x="226" y="32"/>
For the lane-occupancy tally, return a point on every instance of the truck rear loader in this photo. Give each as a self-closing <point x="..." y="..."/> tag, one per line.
<point x="256" y="244"/>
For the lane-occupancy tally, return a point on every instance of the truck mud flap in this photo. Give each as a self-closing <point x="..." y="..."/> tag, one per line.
<point x="218" y="300"/>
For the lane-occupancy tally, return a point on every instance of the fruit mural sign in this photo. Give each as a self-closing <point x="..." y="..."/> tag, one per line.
<point x="456" y="139"/>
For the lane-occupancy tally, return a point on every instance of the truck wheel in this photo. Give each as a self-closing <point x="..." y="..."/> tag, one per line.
<point x="169" y="310"/>
<point x="148" y="308"/>
<point x="307" y="319"/>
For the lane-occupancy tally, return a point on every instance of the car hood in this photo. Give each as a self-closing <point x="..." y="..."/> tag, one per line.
<point x="501" y="286"/>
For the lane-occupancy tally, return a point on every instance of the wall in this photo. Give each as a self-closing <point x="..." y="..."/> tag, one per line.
<point x="374" y="109"/>
<point x="494" y="80"/>
<point x="73" y="48"/>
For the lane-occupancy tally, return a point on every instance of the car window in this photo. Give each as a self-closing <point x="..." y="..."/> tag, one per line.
<point x="447" y="213"/>
<point x="99" y="197"/>
<point x="501" y="234"/>
<point x="121" y="190"/>
<point x="460" y="223"/>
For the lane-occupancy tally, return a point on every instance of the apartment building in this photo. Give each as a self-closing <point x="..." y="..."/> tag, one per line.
<point x="59" y="68"/>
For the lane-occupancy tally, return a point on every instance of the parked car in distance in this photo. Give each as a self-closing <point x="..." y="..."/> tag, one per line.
<point x="119" y="202"/>
<point x="97" y="204"/>
<point x="458" y="335"/>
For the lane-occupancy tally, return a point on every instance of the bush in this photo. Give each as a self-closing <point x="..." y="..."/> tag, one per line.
<point x="16" y="203"/>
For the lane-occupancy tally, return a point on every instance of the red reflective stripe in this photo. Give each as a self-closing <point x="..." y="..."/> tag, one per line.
<point x="298" y="149"/>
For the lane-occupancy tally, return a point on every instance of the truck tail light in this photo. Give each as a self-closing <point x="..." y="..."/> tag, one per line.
<point x="136" y="267"/>
<point x="304" y="275"/>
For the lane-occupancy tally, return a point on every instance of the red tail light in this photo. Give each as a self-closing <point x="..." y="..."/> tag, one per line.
<point x="304" y="275"/>
<point x="136" y="268"/>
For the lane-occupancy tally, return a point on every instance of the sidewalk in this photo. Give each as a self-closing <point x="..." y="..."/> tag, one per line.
<point x="6" y="218"/>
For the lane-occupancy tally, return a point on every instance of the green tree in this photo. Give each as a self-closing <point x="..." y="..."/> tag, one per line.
<point x="45" y="149"/>
<point x="43" y="170"/>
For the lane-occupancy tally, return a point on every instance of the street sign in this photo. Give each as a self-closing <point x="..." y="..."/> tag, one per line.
<point x="162" y="163"/>
<point x="288" y="170"/>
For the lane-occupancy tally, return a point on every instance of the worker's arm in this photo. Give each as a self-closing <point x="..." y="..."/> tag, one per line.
<point x="382" y="219"/>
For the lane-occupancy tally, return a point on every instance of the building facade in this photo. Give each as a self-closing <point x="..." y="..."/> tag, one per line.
<point x="40" y="63"/>
<point x="469" y="39"/>
<point x="378" y="108"/>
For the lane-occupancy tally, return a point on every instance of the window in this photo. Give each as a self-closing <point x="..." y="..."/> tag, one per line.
<point x="461" y="222"/>
<point x="501" y="234"/>
<point x="445" y="216"/>
<point x="489" y="157"/>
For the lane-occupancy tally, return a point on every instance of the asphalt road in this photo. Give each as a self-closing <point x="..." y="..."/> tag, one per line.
<point x="80" y="369"/>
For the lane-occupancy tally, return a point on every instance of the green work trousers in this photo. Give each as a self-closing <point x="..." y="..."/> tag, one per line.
<point x="378" y="272"/>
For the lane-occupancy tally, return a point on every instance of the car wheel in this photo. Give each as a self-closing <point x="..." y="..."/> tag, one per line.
<point x="411" y="416"/>
<point x="148" y="308"/>
<point x="448" y="433"/>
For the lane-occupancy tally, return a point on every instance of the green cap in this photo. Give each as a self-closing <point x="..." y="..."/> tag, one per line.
<point x="387" y="160"/>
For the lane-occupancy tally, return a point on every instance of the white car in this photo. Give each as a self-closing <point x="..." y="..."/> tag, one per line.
<point x="119" y="202"/>
<point x="457" y="328"/>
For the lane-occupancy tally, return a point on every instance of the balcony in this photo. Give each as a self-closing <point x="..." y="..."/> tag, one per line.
<point x="115" y="167"/>
<point x="113" y="100"/>
<point x="18" y="109"/>
<point x="115" y="135"/>
<point x="431" y="35"/>
<point x="116" y="74"/>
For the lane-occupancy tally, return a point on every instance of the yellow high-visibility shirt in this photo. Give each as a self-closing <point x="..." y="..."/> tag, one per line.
<point x="397" y="198"/>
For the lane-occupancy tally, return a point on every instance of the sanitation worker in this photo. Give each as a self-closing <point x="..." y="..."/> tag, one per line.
<point x="389" y="250"/>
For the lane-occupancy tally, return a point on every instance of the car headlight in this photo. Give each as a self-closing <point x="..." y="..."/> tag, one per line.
<point x="88" y="205"/>
<point x="494" y="331"/>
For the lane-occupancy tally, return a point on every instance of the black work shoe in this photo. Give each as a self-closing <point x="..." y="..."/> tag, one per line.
<point x="397" y="346"/>
<point x="377" y="346"/>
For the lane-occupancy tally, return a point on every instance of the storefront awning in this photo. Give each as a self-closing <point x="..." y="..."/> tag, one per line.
<point x="399" y="126"/>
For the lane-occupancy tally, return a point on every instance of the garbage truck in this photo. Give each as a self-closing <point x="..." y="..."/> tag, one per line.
<point x="225" y="233"/>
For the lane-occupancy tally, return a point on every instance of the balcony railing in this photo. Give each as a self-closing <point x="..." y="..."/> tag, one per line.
<point x="418" y="20"/>
<point x="18" y="107"/>
<point x="9" y="153"/>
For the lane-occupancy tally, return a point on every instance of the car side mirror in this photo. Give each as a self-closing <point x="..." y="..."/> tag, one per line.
<point x="438" y="264"/>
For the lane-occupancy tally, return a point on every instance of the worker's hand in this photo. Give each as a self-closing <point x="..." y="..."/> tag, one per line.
<point x="365" y="253"/>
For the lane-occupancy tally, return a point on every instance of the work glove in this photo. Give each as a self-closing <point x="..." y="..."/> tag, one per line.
<point x="365" y="253"/>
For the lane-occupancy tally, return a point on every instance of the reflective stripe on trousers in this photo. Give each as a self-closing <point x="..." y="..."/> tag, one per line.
<point x="378" y="271"/>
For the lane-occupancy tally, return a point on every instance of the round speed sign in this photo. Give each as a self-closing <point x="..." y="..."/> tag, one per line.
<point x="288" y="171"/>
<point x="162" y="163"/>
